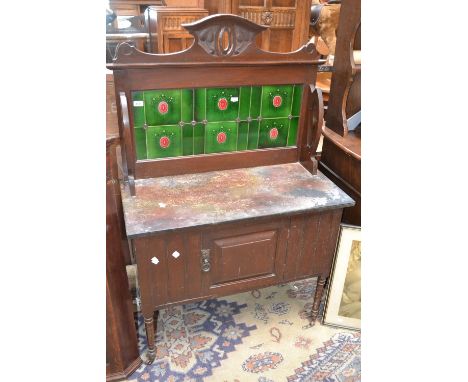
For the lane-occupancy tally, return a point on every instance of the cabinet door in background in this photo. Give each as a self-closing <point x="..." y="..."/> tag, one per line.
<point x="288" y="21"/>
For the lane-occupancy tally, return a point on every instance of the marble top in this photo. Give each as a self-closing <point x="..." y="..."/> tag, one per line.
<point x="196" y="200"/>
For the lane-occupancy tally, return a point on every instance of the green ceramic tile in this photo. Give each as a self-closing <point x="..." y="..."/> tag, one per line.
<point x="252" y="143"/>
<point x="276" y="101"/>
<point x="140" y="143"/>
<point x="199" y="139"/>
<point x="138" y="109"/>
<point x="242" y="135"/>
<point x="292" y="135"/>
<point x="187" y="105"/>
<point x="164" y="141"/>
<point x="273" y="133"/>
<point x="255" y="101"/>
<point x="200" y="104"/>
<point x="222" y="104"/>
<point x="163" y="110"/>
<point x="297" y="96"/>
<point x="220" y="137"/>
<point x="187" y="139"/>
<point x="162" y="107"/>
<point x="244" y="107"/>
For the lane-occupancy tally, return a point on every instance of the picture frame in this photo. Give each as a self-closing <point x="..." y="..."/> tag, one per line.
<point x="343" y="301"/>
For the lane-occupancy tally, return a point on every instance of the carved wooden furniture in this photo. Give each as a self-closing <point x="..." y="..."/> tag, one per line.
<point x="341" y="153"/>
<point x="288" y="21"/>
<point x="221" y="190"/>
<point x="122" y="356"/>
<point x="165" y="26"/>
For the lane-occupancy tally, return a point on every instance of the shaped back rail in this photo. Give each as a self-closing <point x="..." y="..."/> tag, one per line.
<point x="221" y="104"/>
<point x="345" y="88"/>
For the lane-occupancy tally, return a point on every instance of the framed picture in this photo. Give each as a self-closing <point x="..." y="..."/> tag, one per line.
<point x="343" y="304"/>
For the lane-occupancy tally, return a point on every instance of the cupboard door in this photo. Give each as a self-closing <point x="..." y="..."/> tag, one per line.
<point x="243" y="257"/>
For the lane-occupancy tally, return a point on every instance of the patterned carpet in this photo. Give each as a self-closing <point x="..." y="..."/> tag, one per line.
<point x="260" y="336"/>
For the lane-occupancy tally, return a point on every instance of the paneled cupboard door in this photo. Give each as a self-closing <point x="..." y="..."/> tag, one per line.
<point x="243" y="258"/>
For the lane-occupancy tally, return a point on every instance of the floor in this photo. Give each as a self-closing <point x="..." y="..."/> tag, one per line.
<point x="260" y="336"/>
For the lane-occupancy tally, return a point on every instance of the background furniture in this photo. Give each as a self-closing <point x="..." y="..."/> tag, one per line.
<point x="122" y="356"/>
<point x="324" y="18"/>
<point x="138" y="7"/>
<point x="221" y="190"/>
<point x="135" y="30"/>
<point x="112" y="133"/>
<point x="134" y="7"/>
<point x="341" y="153"/>
<point x="288" y="22"/>
<point x="165" y="27"/>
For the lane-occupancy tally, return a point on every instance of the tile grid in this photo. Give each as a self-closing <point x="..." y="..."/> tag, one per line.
<point x="290" y="112"/>
<point x="250" y="108"/>
<point x="238" y="120"/>
<point x="261" y="101"/>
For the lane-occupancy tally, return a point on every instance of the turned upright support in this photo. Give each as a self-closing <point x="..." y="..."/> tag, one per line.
<point x="150" y="354"/>
<point x="317" y="299"/>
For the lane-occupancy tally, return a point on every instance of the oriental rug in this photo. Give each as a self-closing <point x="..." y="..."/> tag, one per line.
<point x="262" y="336"/>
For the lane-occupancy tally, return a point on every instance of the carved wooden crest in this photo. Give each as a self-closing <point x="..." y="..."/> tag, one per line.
<point x="219" y="39"/>
<point x="224" y="35"/>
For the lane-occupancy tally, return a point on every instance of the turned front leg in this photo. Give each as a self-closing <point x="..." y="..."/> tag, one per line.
<point x="317" y="299"/>
<point x="150" y="354"/>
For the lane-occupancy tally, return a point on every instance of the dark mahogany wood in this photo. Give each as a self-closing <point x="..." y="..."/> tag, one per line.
<point x="247" y="65"/>
<point x="241" y="257"/>
<point x="288" y="21"/>
<point x="121" y="341"/>
<point x="165" y="27"/>
<point x="211" y="225"/>
<point x="318" y="297"/>
<point x="345" y="88"/>
<point x="341" y="162"/>
<point x="340" y="159"/>
<point x="112" y="124"/>
<point x="112" y="134"/>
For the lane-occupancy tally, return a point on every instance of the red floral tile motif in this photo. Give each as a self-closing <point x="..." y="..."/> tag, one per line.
<point x="277" y="101"/>
<point x="163" y="107"/>
<point x="221" y="137"/>
<point x="222" y="104"/>
<point x="164" y="142"/>
<point x="274" y="133"/>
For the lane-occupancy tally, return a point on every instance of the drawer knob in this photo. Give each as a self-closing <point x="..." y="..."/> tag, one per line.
<point x="205" y="260"/>
<point x="175" y="254"/>
<point x="155" y="260"/>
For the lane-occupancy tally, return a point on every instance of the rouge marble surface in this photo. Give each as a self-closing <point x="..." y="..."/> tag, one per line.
<point x="196" y="200"/>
